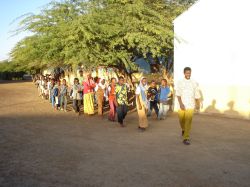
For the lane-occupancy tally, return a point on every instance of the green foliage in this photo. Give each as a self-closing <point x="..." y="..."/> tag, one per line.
<point x="5" y="66"/>
<point x="97" y="32"/>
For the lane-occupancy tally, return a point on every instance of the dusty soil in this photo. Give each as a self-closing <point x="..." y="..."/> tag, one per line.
<point x="42" y="147"/>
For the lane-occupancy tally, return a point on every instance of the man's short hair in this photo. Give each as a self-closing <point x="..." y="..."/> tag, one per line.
<point x="187" y="69"/>
<point x="121" y="77"/>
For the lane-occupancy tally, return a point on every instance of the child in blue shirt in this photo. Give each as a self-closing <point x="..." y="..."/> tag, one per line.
<point x="164" y="93"/>
<point x="63" y="95"/>
<point x="55" y="95"/>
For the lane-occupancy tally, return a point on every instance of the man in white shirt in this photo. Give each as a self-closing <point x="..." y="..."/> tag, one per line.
<point x="188" y="95"/>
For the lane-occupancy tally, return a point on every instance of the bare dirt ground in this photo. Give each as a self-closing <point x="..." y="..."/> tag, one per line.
<point x="42" y="147"/>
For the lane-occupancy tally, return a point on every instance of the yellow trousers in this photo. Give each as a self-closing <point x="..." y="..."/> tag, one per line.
<point x="89" y="104"/>
<point x="185" y="119"/>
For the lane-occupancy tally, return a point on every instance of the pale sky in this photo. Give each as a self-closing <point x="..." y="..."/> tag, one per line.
<point x="9" y="11"/>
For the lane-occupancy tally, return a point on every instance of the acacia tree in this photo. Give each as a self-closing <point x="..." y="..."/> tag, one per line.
<point x="117" y="31"/>
<point x="97" y="32"/>
<point x="46" y="47"/>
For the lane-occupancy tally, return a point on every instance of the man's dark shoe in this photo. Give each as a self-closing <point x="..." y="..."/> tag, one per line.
<point x="141" y="129"/>
<point x="186" y="142"/>
<point x="122" y="125"/>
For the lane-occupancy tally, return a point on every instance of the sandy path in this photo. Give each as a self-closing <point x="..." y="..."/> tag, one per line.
<point x="40" y="147"/>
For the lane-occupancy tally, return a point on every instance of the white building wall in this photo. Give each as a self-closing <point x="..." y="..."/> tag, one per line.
<point x="213" y="38"/>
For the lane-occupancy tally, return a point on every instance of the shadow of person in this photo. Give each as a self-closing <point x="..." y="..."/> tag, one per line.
<point x="249" y="112"/>
<point x="212" y="108"/>
<point x="231" y="110"/>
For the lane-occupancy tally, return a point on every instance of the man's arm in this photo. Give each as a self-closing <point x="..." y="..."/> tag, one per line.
<point x="181" y="103"/>
<point x="178" y="94"/>
<point x="197" y="104"/>
<point x="197" y="97"/>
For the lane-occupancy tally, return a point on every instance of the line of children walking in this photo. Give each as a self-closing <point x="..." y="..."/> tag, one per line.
<point x="148" y="98"/>
<point x="54" y="91"/>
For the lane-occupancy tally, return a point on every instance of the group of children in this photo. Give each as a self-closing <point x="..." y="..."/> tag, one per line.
<point x="159" y="98"/>
<point x="54" y="91"/>
<point x="152" y="97"/>
<point x="91" y="92"/>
